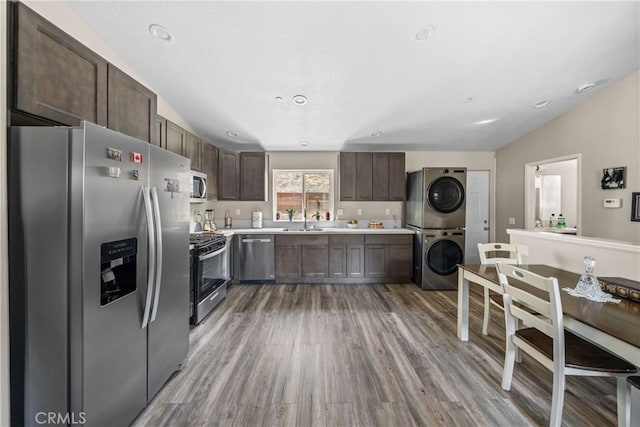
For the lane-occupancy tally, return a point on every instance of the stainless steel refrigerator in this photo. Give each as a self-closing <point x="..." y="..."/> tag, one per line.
<point x="99" y="273"/>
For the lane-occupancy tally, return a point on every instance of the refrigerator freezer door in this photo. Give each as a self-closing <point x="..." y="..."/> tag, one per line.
<point x="114" y="350"/>
<point x="168" y="332"/>
<point x="38" y="279"/>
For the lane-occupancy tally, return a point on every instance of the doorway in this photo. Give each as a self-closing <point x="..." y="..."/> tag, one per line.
<point x="553" y="187"/>
<point x="477" y="214"/>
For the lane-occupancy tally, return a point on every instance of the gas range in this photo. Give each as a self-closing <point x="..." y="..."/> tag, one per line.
<point x="210" y="273"/>
<point x="204" y="243"/>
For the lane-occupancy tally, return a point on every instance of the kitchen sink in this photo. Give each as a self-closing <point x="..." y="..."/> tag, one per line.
<point x="303" y="229"/>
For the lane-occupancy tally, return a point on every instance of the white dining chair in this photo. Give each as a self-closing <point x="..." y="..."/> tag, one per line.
<point x="490" y="253"/>
<point x="546" y="340"/>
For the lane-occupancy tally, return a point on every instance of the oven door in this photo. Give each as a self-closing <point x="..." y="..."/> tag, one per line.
<point x="211" y="275"/>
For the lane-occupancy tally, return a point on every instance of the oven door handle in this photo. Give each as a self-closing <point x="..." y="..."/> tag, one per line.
<point x="212" y="254"/>
<point x="158" y="227"/>
<point x="152" y="255"/>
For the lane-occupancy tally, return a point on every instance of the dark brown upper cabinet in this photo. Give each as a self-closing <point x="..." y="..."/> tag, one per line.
<point x="253" y="178"/>
<point x="209" y="163"/>
<point x="228" y="175"/>
<point x="380" y="179"/>
<point x="161" y="132"/>
<point x="372" y="176"/>
<point x="364" y="176"/>
<point x="194" y="151"/>
<point x="55" y="76"/>
<point x="397" y="176"/>
<point x="347" y="176"/>
<point x="132" y="108"/>
<point x="176" y="139"/>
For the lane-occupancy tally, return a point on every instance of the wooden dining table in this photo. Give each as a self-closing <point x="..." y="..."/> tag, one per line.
<point x="613" y="326"/>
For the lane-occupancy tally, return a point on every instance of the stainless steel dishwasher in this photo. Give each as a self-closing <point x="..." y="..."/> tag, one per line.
<point x="256" y="253"/>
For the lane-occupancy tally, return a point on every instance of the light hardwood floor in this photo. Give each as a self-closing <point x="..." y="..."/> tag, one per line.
<point x="339" y="355"/>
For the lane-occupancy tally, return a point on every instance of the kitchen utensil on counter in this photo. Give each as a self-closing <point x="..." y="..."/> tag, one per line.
<point x="256" y="219"/>
<point x="197" y="221"/>
<point x="227" y="219"/>
<point x="210" y="220"/>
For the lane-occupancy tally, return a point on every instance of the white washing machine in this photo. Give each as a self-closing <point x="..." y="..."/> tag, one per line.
<point x="442" y="251"/>
<point x="444" y="197"/>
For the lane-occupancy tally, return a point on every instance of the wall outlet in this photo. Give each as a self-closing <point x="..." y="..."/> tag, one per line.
<point x="359" y="212"/>
<point x="512" y="221"/>
<point x="237" y="212"/>
<point x="387" y="211"/>
<point x="340" y="212"/>
<point x="523" y="249"/>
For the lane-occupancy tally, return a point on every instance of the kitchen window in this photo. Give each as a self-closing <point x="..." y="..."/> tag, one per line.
<point x="299" y="189"/>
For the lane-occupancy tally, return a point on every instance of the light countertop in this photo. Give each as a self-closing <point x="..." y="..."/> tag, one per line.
<point x="327" y="230"/>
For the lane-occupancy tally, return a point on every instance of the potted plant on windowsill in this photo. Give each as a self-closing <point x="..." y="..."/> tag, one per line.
<point x="291" y="213"/>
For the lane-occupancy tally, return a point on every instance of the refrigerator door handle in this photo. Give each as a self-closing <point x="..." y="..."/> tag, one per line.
<point x="152" y="255"/>
<point x="158" y="227"/>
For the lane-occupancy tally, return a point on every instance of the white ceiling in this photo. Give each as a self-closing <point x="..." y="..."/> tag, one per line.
<point x="362" y="70"/>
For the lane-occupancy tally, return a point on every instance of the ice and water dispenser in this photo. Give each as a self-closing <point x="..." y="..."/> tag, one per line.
<point x="118" y="269"/>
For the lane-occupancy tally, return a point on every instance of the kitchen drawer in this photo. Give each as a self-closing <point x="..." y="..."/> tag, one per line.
<point x="346" y="239"/>
<point x="376" y="239"/>
<point x="400" y="239"/>
<point x="298" y="240"/>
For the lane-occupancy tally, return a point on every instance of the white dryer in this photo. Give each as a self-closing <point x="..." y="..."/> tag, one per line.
<point x="442" y="251"/>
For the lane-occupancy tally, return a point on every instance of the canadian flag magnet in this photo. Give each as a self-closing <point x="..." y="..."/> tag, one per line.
<point x="136" y="157"/>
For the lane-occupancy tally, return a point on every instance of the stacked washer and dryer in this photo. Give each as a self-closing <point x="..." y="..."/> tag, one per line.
<point x="435" y="211"/>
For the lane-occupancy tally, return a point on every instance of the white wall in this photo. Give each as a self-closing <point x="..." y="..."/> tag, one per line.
<point x="605" y="130"/>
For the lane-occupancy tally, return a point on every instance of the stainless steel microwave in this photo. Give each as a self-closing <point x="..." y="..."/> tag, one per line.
<point x="198" y="187"/>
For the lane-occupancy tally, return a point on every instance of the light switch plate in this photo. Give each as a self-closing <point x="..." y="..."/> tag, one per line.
<point x="359" y="211"/>
<point x="237" y="212"/>
<point x="340" y="212"/>
<point x="387" y="211"/>
<point x="512" y="221"/>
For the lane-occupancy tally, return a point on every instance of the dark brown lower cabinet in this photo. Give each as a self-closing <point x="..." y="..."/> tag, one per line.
<point x="346" y="256"/>
<point x="343" y="258"/>
<point x="399" y="261"/>
<point x="375" y="263"/>
<point x="288" y="261"/>
<point x="315" y="261"/>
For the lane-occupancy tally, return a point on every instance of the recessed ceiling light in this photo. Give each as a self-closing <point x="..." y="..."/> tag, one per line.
<point x="586" y="87"/>
<point x="468" y="100"/>
<point x="299" y="99"/>
<point x="233" y="134"/>
<point x="304" y="143"/>
<point x="542" y="103"/>
<point x="161" y="33"/>
<point x="376" y="134"/>
<point x="425" y="33"/>
<point x="484" y="122"/>
<point x="279" y="98"/>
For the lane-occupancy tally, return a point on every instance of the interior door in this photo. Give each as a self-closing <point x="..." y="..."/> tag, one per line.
<point x="477" y="214"/>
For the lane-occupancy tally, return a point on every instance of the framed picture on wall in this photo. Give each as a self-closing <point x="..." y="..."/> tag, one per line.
<point x="613" y="178"/>
<point x="635" y="206"/>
